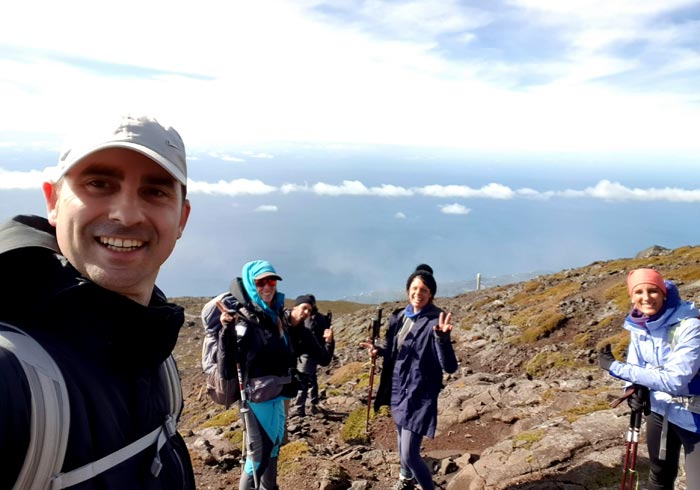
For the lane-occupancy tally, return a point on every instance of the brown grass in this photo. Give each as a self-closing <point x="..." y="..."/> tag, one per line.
<point x="542" y="326"/>
<point x="349" y="372"/>
<point x="545" y="362"/>
<point x="619" y="296"/>
<point x="550" y="295"/>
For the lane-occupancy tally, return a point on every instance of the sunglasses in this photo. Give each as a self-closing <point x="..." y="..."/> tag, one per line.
<point x="259" y="283"/>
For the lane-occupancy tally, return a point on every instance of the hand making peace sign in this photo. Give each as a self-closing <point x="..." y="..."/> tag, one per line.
<point x="444" y="327"/>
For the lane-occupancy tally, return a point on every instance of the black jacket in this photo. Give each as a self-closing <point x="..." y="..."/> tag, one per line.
<point x="109" y="349"/>
<point x="306" y="343"/>
<point x="308" y="361"/>
<point x="261" y="351"/>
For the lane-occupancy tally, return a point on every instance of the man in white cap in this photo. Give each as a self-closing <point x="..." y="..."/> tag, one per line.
<point x="83" y="287"/>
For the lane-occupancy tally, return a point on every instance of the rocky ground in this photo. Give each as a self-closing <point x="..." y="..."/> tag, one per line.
<point x="527" y="409"/>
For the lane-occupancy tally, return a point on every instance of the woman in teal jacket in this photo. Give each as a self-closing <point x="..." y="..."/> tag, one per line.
<point x="663" y="358"/>
<point x="263" y="351"/>
<point x="418" y="349"/>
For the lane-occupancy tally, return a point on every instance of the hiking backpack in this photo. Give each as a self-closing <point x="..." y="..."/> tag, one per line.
<point x="223" y="376"/>
<point x="220" y="390"/>
<point x="50" y="419"/>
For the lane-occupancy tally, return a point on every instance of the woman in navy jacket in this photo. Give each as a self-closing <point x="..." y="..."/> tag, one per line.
<point x="417" y="351"/>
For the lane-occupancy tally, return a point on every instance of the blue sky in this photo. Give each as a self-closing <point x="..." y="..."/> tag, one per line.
<point x="375" y="117"/>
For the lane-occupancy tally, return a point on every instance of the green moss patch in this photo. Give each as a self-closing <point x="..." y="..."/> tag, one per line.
<point x="528" y="438"/>
<point x="225" y="418"/>
<point x="354" y="429"/>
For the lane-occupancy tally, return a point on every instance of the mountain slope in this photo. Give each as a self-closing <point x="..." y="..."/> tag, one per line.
<point x="528" y="407"/>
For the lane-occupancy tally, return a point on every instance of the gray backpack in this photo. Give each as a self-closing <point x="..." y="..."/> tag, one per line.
<point x="50" y="419"/>
<point x="222" y="391"/>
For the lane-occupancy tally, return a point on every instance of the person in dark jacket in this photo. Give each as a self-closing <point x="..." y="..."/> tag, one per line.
<point x="82" y="284"/>
<point x="311" y="349"/>
<point x="662" y="364"/>
<point x="264" y="351"/>
<point x="417" y="351"/>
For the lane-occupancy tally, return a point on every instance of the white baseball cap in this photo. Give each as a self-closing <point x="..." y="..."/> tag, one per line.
<point x="139" y="133"/>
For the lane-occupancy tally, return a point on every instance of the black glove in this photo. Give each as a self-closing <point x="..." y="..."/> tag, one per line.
<point x="640" y="399"/>
<point x="605" y="357"/>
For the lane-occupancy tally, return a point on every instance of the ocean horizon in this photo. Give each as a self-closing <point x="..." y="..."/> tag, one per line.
<point x="344" y="227"/>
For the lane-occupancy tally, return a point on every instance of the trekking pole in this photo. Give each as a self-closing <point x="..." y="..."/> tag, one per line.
<point x="629" y="472"/>
<point x="375" y="326"/>
<point x="243" y="408"/>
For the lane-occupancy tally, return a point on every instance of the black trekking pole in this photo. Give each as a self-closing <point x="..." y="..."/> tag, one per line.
<point x="243" y="408"/>
<point x="630" y="477"/>
<point x="375" y="326"/>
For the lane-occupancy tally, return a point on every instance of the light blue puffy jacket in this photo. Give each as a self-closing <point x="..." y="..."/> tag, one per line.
<point x="665" y="357"/>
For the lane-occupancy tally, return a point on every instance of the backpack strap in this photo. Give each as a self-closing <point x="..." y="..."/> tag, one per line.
<point x="50" y="419"/>
<point x="158" y="435"/>
<point x="50" y="410"/>
<point x="171" y="379"/>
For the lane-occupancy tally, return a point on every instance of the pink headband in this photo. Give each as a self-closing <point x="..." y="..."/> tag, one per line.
<point x="645" y="276"/>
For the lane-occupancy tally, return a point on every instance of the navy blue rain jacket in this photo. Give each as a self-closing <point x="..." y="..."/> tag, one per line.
<point x="411" y="377"/>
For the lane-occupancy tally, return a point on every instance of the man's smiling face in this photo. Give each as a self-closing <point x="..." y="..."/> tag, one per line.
<point x="118" y="215"/>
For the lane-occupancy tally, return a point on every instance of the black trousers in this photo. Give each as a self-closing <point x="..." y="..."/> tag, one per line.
<point x="663" y="474"/>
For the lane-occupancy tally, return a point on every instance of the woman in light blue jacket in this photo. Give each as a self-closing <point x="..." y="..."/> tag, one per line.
<point x="664" y="357"/>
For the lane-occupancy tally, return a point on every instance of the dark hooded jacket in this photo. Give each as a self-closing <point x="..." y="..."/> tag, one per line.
<point x="261" y="351"/>
<point x="308" y="362"/>
<point x="307" y="345"/>
<point x="108" y="348"/>
<point x="411" y="377"/>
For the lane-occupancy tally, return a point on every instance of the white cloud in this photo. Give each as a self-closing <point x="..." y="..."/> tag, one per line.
<point x="493" y="191"/>
<point x="289" y="188"/>
<point x="454" y="208"/>
<point x="400" y="215"/>
<point x="356" y="188"/>
<point x="235" y="187"/>
<point x="387" y="190"/>
<point x="604" y="190"/>
<point x="614" y="191"/>
<point x="348" y="187"/>
<point x="398" y="73"/>
<point x="225" y="157"/>
<point x="12" y="179"/>
<point x="266" y="208"/>
<point x="261" y="155"/>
